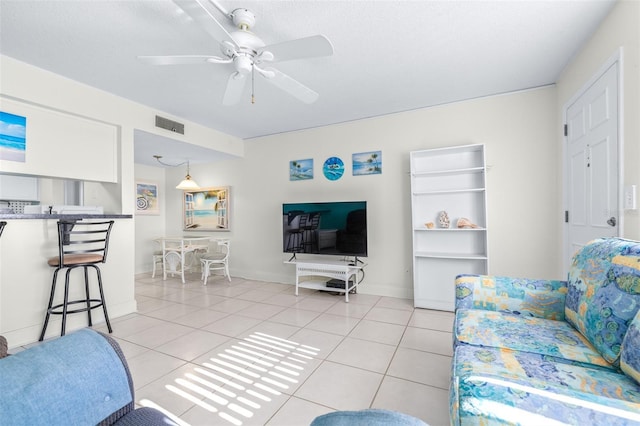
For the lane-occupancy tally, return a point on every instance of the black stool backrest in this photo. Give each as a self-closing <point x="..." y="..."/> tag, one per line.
<point x="2" y="225"/>
<point x="77" y="239"/>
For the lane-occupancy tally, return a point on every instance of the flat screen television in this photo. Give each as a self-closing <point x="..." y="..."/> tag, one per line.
<point x="337" y="228"/>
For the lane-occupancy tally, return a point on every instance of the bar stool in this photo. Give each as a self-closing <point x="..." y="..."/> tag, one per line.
<point x="80" y="245"/>
<point x="310" y="234"/>
<point x="295" y="237"/>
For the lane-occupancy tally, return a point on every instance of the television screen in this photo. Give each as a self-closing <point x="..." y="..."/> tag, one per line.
<point x="333" y="228"/>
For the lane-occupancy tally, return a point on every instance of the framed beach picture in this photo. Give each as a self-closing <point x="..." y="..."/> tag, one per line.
<point x="13" y="141"/>
<point x="206" y="209"/>
<point x="301" y="169"/>
<point x="147" y="198"/>
<point x="367" y="163"/>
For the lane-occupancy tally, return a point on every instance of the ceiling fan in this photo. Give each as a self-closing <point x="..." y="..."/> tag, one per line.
<point x="246" y="51"/>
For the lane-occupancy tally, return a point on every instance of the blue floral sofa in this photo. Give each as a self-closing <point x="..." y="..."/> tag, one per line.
<point x="543" y="352"/>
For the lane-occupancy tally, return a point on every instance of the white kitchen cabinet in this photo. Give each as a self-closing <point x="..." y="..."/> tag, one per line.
<point x="451" y="180"/>
<point x="20" y="188"/>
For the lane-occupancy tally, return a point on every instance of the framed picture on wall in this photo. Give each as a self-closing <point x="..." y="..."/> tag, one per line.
<point x="13" y="142"/>
<point x="301" y="169"/>
<point x="367" y="163"/>
<point x="147" y="201"/>
<point x="206" y="209"/>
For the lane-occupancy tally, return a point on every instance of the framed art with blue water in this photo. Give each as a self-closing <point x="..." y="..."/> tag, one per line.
<point x="206" y="209"/>
<point x="333" y="168"/>
<point x="301" y="169"/>
<point x="367" y="163"/>
<point x="13" y="141"/>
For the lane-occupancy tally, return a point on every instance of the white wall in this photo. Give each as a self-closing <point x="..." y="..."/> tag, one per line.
<point x="518" y="130"/>
<point x="620" y="29"/>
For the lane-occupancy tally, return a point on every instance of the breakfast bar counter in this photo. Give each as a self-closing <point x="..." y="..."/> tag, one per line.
<point x="65" y="216"/>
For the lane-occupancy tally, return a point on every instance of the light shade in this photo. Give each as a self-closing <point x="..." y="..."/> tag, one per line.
<point x="187" y="184"/>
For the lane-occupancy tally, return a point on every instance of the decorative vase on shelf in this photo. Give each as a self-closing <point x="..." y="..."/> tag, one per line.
<point x="443" y="219"/>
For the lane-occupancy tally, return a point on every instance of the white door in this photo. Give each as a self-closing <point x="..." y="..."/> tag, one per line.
<point x="591" y="163"/>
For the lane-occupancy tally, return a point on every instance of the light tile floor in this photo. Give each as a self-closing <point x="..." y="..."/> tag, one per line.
<point x="252" y="353"/>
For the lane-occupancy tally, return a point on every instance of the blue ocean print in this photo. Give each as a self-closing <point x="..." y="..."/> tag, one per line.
<point x="301" y="169"/>
<point x="367" y="163"/>
<point x="333" y="168"/>
<point x="13" y="142"/>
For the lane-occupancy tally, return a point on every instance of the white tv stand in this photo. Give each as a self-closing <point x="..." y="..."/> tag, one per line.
<point x="319" y="271"/>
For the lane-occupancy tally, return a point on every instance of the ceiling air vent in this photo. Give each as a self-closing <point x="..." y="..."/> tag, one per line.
<point x="172" y="126"/>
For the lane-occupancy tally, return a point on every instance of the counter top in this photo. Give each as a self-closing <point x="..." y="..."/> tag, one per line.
<point x="65" y="216"/>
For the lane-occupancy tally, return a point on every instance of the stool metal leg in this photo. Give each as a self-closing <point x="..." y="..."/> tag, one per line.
<point x="104" y="304"/>
<point x="53" y="292"/>
<point x="65" y="302"/>
<point x="86" y="291"/>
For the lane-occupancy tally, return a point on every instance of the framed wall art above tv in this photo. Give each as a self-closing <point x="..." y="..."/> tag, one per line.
<point x="206" y="209"/>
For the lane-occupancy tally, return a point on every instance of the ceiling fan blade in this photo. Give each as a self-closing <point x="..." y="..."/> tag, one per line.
<point x="183" y="59"/>
<point x="302" y="48"/>
<point x="235" y="87"/>
<point x="202" y="12"/>
<point x="291" y="86"/>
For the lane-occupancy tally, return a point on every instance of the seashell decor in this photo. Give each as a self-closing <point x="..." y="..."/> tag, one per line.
<point x="429" y="225"/>
<point x="443" y="219"/>
<point x="463" y="222"/>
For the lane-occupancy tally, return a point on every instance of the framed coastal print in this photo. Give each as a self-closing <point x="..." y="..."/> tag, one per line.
<point x="147" y="198"/>
<point x="13" y="142"/>
<point x="301" y="169"/>
<point x="206" y="209"/>
<point x="367" y="163"/>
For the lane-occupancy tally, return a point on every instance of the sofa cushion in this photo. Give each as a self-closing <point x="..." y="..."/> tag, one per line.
<point x="529" y="334"/>
<point x="508" y="386"/>
<point x="604" y="292"/>
<point x="527" y="297"/>
<point x="74" y="379"/>
<point x="630" y="352"/>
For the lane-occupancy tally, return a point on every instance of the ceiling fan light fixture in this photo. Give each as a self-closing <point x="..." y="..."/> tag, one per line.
<point x="243" y="64"/>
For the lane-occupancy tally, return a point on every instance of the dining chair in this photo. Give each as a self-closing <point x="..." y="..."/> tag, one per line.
<point x="216" y="260"/>
<point x="158" y="258"/>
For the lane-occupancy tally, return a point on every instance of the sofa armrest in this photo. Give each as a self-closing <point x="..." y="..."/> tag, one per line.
<point x="523" y="296"/>
<point x="75" y="379"/>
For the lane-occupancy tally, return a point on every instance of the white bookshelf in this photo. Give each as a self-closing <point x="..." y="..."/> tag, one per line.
<point x="452" y="180"/>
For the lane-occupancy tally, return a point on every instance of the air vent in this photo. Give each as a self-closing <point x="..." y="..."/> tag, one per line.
<point x="172" y="126"/>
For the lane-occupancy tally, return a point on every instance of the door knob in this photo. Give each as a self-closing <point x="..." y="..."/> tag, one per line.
<point x="612" y="221"/>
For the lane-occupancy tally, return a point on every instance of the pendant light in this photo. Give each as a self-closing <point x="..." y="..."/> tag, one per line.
<point x="187" y="183"/>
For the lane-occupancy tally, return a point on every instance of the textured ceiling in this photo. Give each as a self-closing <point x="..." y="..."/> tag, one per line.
<point x="390" y="56"/>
